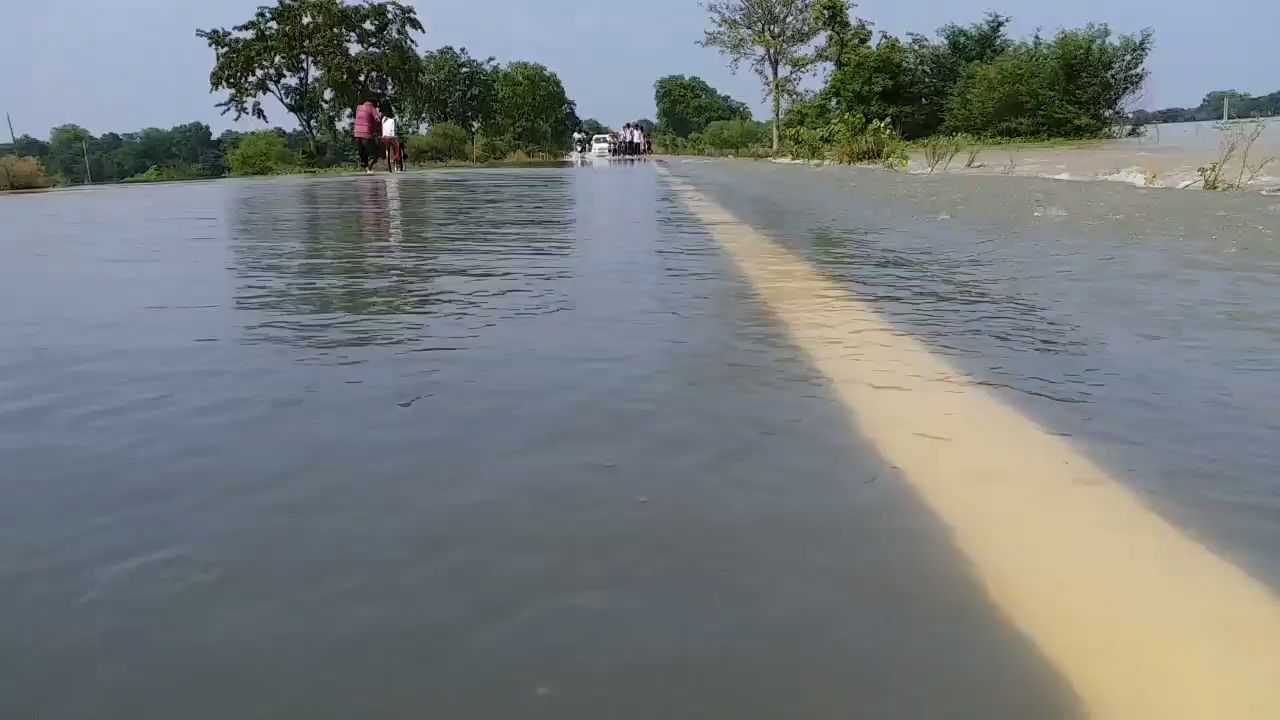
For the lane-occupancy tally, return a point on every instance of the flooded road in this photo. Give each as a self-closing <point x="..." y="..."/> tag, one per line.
<point x="557" y="442"/>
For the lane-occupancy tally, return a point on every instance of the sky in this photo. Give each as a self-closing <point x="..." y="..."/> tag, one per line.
<point x="121" y="65"/>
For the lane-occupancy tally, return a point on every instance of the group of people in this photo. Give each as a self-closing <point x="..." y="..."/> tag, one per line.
<point x="376" y="139"/>
<point x="633" y="141"/>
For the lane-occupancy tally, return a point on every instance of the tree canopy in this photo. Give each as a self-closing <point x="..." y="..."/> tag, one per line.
<point x="317" y="58"/>
<point x="184" y="151"/>
<point x="973" y="78"/>
<point x="687" y="105"/>
<point x="531" y="109"/>
<point x="456" y="88"/>
<point x="774" y="37"/>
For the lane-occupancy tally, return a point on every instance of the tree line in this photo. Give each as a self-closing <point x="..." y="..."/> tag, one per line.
<point x="1239" y="105"/>
<point x="972" y="79"/>
<point x="318" y="59"/>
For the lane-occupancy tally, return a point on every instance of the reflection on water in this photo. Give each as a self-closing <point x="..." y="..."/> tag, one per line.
<point x="959" y="304"/>
<point x="346" y="264"/>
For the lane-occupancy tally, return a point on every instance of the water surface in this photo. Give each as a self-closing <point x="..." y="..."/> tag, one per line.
<point x="496" y="443"/>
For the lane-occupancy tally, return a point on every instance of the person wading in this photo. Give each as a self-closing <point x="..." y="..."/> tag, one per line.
<point x="367" y="129"/>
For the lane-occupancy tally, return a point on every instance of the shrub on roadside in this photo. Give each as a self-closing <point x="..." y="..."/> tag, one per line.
<point x="162" y="173"/>
<point x="940" y="150"/>
<point x="735" y="135"/>
<point x="442" y="142"/>
<point x="261" y="153"/>
<point x="859" y="142"/>
<point x="22" y="173"/>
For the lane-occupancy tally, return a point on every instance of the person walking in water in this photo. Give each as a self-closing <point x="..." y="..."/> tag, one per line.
<point x="367" y="128"/>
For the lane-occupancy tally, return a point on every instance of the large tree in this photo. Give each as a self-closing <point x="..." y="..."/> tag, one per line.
<point x="687" y="105"/>
<point x="456" y="88"/>
<point x="316" y="58"/>
<point x="775" y="38"/>
<point x="532" y="109"/>
<point x="67" y="148"/>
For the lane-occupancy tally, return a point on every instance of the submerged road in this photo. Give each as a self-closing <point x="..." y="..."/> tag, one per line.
<point x="680" y="439"/>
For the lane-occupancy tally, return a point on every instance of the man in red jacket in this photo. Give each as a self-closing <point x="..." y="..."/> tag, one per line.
<point x="367" y="130"/>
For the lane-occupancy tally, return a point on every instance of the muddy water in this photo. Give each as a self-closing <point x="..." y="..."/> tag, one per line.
<point x="528" y="443"/>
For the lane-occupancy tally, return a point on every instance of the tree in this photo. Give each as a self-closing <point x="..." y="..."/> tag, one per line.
<point x="843" y="33"/>
<point x="456" y="88"/>
<point x="1076" y="85"/>
<point x="686" y="105"/>
<point x="67" y="145"/>
<point x="316" y="58"/>
<point x="532" y="109"/>
<point x="592" y="126"/>
<point x="874" y="82"/>
<point x="773" y="36"/>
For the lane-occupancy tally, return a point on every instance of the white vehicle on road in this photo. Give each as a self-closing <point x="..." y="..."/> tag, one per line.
<point x="600" y="146"/>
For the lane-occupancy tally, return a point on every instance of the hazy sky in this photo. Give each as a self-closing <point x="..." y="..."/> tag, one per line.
<point x="126" y="64"/>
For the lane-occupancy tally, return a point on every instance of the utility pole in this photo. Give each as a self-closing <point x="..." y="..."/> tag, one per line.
<point x="88" y="176"/>
<point x="13" y="138"/>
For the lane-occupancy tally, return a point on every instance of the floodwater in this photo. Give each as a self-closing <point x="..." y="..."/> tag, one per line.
<point x="1166" y="155"/>
<point x="562" y="442"/>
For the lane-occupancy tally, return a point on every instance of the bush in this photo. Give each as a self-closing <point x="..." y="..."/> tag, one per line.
<point x="22" y="173"/>
<point x="940" y="150"/>
<point x="442" y="142"/>
<point x="807" y="143"/>
<point x="261" y="153"/>
<point x="162" y="173"/>
<point x="494" y="148"/>
<point x="734" y="134"/>
<point x="857" y="141"/>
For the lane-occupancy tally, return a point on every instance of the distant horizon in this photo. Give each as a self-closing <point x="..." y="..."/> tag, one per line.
<point x="103" y="74"/>
<point x="219" y="124"/>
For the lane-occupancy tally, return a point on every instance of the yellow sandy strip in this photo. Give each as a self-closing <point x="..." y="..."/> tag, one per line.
<point x="1144" y="622"/>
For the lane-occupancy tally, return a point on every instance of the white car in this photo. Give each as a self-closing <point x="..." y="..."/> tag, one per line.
<point x="600" y="146"/>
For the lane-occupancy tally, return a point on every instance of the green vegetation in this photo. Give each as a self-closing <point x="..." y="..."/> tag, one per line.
<point x="696" y="119"/>
<point x="444" y="142"/>
<point x="773" y="37"/>
<point x="688" y="104"/>
<point x="971" y="84"/>
<point x="1239" y="105"/>
<point x="317" y="59"/>
<point x="72" y="154"/>
<point x="261" y="153"/>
